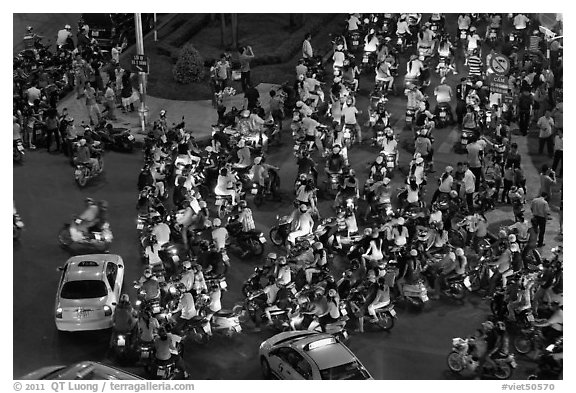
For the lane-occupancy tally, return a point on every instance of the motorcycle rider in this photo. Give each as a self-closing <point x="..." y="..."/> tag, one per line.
<point x="437" y="238"/>
<point x="378" y="168"/>
<point x="410" y="274"/>
<point x="226" y="184"/>
<point x="166" y="352"/>
<point x="124" y="320"/>
<point x="384" y="75"/>
<point x="303" y="226"/>
<point x="349" y="190"/>
<point x="380" y="299"/>
<point x="426" y="40"/>
<point x="349" y="112"/>
<point x="149" y="285"/>
<point x="443" y="93"/>
<point x="414" y="69"/>
<point x="335" y="163"/>
<point x="148" y="327"/>
<point x="390" y="144"/>
<point x="504" y="265"/>
<point x="445" y="268"/>
<point x="261" y="172"/>
<point x="219" y="235"/>
<point x="186" y="307"/>
<point x="84" y="156"/>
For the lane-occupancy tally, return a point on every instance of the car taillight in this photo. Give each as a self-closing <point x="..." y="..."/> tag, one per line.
<point x="58" y="312"/>
<point x="107" y="311"/>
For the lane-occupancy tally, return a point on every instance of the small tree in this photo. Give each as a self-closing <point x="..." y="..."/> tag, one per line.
<point x="190" y="65"/>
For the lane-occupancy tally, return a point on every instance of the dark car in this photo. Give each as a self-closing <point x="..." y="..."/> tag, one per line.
<point x="108" y="29"/>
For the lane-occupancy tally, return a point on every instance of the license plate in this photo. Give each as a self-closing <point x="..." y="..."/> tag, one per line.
<point x="512" y="38"/>
<point x="83" y="314"/>
<point x="355" y="43"/>
<point x="392" y="312"/>
<point x="131" y="137"/>
<point x="160" y="372"/>
<point x="442" y="115"/>
<point x="219" y="202"/>
<point x="77" y="172"/>
<point x="175" y="258"/>
<point x="390" y="164"/>
<point x="365" y="60"/>
<point x="121" y="341"/>
<point x="464" y="141"/>
<point x="399" y="42"/>
<point x="223" y="285"/>
<point x="225" y="257"/>
<point x="254" y="191"/>
<point x="530" y="318"/>
<point x="425" y="298"/>
<point x="408" y="119"/>
<point x="140" y="226"/>
<point x="467" y="283"/>
<point x="344" y="312"/>
<point x="492" y="35"/>
<point x="262" y="239"/>
<point x="334" y="186"/>
<point x="463" y="35"/>
<point x="145" y="354"/>
<point x="156" y="309"/>
<point x="434" y="27"/>
<point x="95" y="34"/>
<point x="345" y="334"/>
<point x="513" y="364"/>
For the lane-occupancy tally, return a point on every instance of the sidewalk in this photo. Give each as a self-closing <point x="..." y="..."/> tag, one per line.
<point x="198" y="115"/>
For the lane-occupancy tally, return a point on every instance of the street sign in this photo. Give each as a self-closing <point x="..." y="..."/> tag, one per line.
<point x="498" y="83"/>
<point x="499" y="64"/>
<point x="140" y="63"/>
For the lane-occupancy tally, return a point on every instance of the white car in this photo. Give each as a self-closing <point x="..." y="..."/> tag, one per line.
<point x="88" y="292"/>
<point x="302" y="355"/>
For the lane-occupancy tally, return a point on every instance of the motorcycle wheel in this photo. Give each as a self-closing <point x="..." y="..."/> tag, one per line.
<point x="457" y="291"/>
<point x="81" y="179"/>
<point x="256" y="247"/>
<point x="454" y="362"/>
<point x="275" y="237"/>
<point x="222" y="211"/>
<point x="522" y="344"/>
<point x="503" y="371"/>
<point x="64" y="237"/>
<point x="265" y="368"/>
<point x="258" y="200"/>
<point x="385" y="321"/>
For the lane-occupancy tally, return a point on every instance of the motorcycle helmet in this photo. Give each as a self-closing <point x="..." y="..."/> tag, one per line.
<point x="419" y="160"/>
<point x="386" y="181"/>
<point x="472" y="29"/>
<point x="379" y="159"/>
<point x="513" y="189"/>
<point x="401" y="221"/>
<point x="29" y="29"/>
<point x="500" y="325"/>
<point x="163" y="113"/>
<point x="372" y="31"/>
<point x="216" y="222"/>
<point x="453" y="194"/>
<point x="257" y="160"/>
<point x="318" y="246"/>
<point x="512" y="238"/>
<point x="448" y="169"/>
<point x="459" y="252"/>
<point x="337" y="79"/>
<point x="488" y="325"/>
<point x="502" y="234"/>
<point x="282" y="261"/>
<point x="187" y="265"/>
<point x="413" y="253"/>
<point x="67" y="27"/>
<point x="514" y="247"/>
<point x="241" y="143"/>
<point x="245" y="113"/>
<point x="367" y="231"/>
<point x="332" y="293"/>
<point x="272" y="255"/>
<point x="124" y="298"/>
<point x="203" y="204"/>
<point x="243" y="204"/>
<point x="82" y="142"/>
<point x="303" y="208"/>
<point x="209" y="149"/>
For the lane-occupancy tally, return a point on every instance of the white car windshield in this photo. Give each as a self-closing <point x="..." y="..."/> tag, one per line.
<point x="351" y="370"/>
<point x="83" y="289"/>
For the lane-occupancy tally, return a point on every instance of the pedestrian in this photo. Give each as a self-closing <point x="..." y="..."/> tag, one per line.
<point x="276" y="109"/>
<point x="547" y="181"/>
<point x="541" y="101"/>
<point x="222" y="72"/>
<point x="80" y="67"/>
<point x="558" y="151"/>
<point x="110" y="101"/>
<point x="115" y="52"/>
<point x="545" y="137"/>
<point x="126" y="92"/>
<point x="525" y="103"/>
<point x="469" y="183"/>
<point x="520" y="178"/>
<point x="94" y="112"/>
<point x="508" y="180"/>
<point x="307" y="51"/>
<point x="540" y="210"/>
<point x="246" y="54"/>
<point x="475" y="159"/>
<point x="52" y="129"/>
<point x="251" y="96"/>
<point x="513" y="157"/>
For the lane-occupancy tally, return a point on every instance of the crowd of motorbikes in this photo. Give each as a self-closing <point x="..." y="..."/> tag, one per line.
<point x="399" y="256"/>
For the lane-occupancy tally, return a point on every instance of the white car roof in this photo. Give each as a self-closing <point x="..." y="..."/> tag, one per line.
<point x="91" y="266"/>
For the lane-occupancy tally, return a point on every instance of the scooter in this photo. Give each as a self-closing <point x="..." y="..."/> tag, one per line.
<point x="460" y="359"/>
<point x="251" y="243"/>
<point x="95" y="241"/>
<point x="121" y="347"/>
<point x="416" y="294"/>
<point x="84" y="172"/>
<point x="333" y="184"/>
<point x="225" y="322"/>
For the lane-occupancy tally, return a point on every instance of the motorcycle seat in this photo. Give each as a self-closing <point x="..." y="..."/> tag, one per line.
<point x="224" y="313"/>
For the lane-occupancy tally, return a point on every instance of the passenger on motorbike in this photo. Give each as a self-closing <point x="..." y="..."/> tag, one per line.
<point x="226" y="184"/>
<point x="380" y="299"/>
<point x="303" y="226"/>
<point x="349" y="190"/>
<point x="310" y="127"/>
<point x="350" y="75"/>
<point x="438" y="238"/>
<point x="523" y="299"/>
<point x="445" y="268"/>
<point x="186" y="307"/>
<point x="498" y="343"/>
<point x="402" y="27"/>
<point x="165" y="350"/>
<point x="261" y="172"/>
<point x="349" y="112"/>
<point x="414" y="69"/>
<point x="384" y="75"/>
<point x="199" y="285"/>
<point x="415" y="97"/>
<point x="411" y="273"/>
<point x="148" y="327"/>
<point x="504" y="267"/>
<point x="378" y="168"/>
<point x="390" y="144"/>
<point x="400" y="232"/>
<point x="149" y="285"/>
<point x="373" y="252"/>
<point x="124" y="320"/>
<point x="84" y="155"/>
<point x="426" y="39"/>
<point x="335" y="163"/>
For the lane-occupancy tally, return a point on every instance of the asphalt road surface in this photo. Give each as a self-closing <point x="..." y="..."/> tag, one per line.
<point x="47" y="197"/>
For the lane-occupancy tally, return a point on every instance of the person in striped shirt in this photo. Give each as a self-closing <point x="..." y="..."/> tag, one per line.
<point x="475" y="65"/>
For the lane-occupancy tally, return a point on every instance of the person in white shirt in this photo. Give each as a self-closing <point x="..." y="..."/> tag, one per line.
<point x="520" y="22"/>
<point x="338" y="57"/>
<point x="219" y="234"/>
<point x="443" y="94"/>
<point x="545" y="136"/>
<point x="464" y="22"/>
<point x="115" y="52"/>
<point x="469" y="183"/>
<point x="402" y="27"/>
<point x="307" y="51"/>
<point x="353" y="23"/>
<point x="414" y="68"/>
<point x="303" y="226"/>
<point x="63" y="35"/>
<point x="349" y="113"/>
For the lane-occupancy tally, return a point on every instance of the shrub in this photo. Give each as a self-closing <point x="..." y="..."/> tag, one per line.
<point x="190" y="65"/>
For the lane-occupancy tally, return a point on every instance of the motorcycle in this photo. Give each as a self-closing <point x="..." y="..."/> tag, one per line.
<point x="84" y="172"/>
<point x="410" y="118"/>
<point x="528" y="340"/>
<point x="401" y="42"/>
<point x="226" y="322"/>
<point x="349" y="136"/>
<point x="492" y="38"/>
<point x="121" y="347"/>
<point x="462" y="36"/>
<point x="354" y="38"/>
<point x="416" y="294"/>
<point x="252" y="242"/>
<point x="444" y="115"/>
<point x="119" y="139"/>
<point x="252" y="310"/>
<point x="385" y="315"/>
<point x="460" y="359"/>
<point x="550" y="362"/>
<point x="390" y="162"/>
<point x="97" y="241"/>
<point x="18" y="151"/>
<point x="465" y="136"/>
<point x="333" y="184"/>
<point x="443" y="66"/>
<point x="479" y="276"/>
<point x="145" y="352"/>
